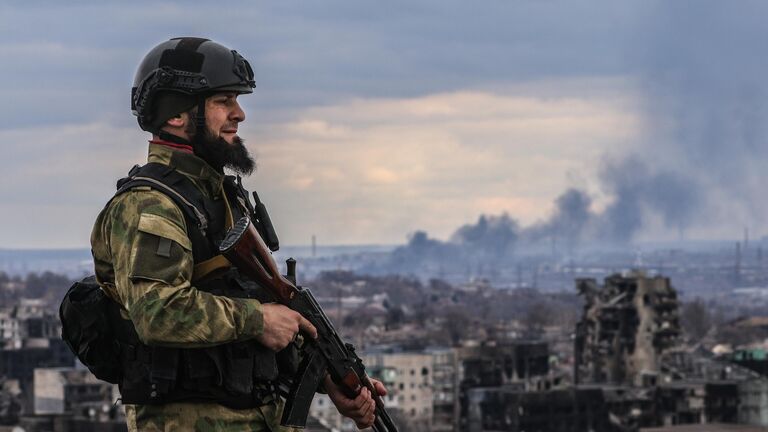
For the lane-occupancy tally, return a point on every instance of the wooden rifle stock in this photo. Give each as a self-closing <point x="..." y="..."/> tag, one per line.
<point x="244" y="247"/>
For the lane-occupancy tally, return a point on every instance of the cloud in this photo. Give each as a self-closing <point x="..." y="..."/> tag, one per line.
<point x="362" y="171"/>
<point x="380" y="168"/>
<point x="381" y="118"/>
<point x="303" y="54"/>
<point x="60" y="178"/>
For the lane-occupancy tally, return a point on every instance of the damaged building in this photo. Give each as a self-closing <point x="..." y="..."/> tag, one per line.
<point x="490" y="366"/>
<point x="629" y="371"/>
<point x="628" y="323"/>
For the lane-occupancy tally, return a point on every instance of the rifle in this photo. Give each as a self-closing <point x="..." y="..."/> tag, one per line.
<point x="244" y="247"/>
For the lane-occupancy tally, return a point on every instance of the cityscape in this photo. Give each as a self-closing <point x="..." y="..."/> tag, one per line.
<point x="526" y="216"/>
<point x="636" y="340"/>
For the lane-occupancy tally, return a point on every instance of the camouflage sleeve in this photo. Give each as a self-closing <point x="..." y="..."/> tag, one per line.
<point x="152" y="258"/>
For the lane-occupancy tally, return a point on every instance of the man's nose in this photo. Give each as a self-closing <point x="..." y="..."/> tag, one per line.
<point x="237" y="113"/>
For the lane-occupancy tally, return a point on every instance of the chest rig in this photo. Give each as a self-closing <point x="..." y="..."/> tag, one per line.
<point x="238" y="375"/>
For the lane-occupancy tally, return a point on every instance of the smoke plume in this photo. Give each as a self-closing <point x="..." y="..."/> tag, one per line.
<point x="701" y="160"/>
<point x="704" y="91"/>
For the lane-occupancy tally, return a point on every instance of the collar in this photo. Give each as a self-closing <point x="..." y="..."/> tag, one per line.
<point x="187" y="148"/>
<point x="181" y="157"/>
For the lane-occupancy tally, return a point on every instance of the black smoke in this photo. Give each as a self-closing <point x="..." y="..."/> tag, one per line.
<point x="491" y="235"/>
<point x="569" y="223"/>
<point x="702" y="71"/>
<point x="701" y="157"/>
<point x="700" y="162"/>
<point x="641" y="192"/>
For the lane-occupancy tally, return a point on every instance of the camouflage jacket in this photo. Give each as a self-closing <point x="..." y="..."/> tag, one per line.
<point x="156" y="291"/>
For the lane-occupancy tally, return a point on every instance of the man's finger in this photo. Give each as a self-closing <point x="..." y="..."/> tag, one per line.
<point x="359" y="401"/>
<point x="365" y="420"/>
<point x="307" y="326"/>
<point x="368" y="410"/>
<point x="370" y="416"/>
<point x="380" y="389"/>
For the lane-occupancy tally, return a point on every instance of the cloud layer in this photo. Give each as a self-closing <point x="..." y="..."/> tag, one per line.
<point x="378" y="169"/>
<point x="373" y="120"/>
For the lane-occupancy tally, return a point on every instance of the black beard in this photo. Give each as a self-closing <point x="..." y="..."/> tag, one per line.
<point x="220" y="154"/>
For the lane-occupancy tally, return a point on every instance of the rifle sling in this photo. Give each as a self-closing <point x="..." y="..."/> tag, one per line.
<point x="210" y="267"/>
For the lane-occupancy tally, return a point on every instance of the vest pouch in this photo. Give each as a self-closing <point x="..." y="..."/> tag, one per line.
<point x="240" y="367"/>
<point x="264" y="363"/>
<point x="288" y="360"/>
<point x="136" y="365"/>
<point x="203" y="368"/>
<point x="87" y="331"/>
<point x="164" y="370"/>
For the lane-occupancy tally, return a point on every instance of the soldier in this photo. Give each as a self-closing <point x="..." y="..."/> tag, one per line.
<point x="201" y="347"/>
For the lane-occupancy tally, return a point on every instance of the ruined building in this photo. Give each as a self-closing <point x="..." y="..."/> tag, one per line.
<point x="627" y="325"/>
<point x="630" y="373"/>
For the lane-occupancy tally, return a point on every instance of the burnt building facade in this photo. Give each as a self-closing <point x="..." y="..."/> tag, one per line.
<point x="496" y="379"/>
<point x="628" y="323"/>
<point x="510" y="409"/>
<point x="492" y="366"/>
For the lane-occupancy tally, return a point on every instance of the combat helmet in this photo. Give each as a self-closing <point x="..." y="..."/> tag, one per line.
<point x="179" y="73"/>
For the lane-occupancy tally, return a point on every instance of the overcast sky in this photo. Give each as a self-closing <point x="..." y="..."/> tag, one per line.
<point x="371" y="119"/>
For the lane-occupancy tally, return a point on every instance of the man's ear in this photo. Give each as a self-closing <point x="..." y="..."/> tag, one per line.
<point x="178" y="121"/>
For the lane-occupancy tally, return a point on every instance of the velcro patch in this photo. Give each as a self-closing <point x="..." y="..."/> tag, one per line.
<point x="162" y="227"/>
<point x="164" y="247"/>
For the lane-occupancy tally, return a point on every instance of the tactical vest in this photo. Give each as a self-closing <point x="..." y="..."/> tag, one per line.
<point x="237" y="375"/>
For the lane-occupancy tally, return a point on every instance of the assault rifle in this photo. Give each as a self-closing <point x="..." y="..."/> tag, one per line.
<point x="244" y="247"/>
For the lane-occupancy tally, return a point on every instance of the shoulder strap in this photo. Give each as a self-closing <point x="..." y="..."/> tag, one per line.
<point x="182" y="192"/>
<point x="193" y="204"/>
<point x="172" y="184"/>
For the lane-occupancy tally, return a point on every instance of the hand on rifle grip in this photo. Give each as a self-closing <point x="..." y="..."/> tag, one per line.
<point x="281" y="325"/>
<point x="360" y="409"/>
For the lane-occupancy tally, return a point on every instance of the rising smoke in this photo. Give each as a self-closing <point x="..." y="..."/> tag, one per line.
<point x="641" y="191"/>
<point x="703" y="80"/>
<point x="701" y="160"/>
<point x="491" y="235"/>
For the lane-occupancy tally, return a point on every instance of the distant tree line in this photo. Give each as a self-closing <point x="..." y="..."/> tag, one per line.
<point x="463" y="313"/>
<point x="46" y="285"/>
